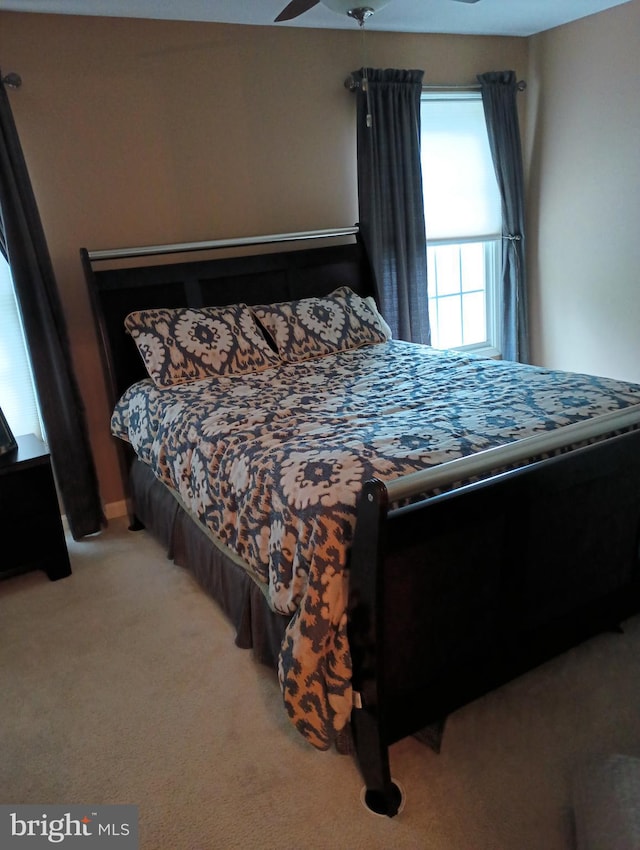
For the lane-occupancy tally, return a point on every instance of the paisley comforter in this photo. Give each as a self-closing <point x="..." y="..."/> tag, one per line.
<point x="272" y="463"/>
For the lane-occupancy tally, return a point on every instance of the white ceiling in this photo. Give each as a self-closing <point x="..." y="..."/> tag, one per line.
<point x="487" y="17"/>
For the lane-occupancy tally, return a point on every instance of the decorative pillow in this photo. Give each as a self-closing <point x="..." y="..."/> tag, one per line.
<point x="187" y="344"/>
<point x="313" y="327"/>
<point x="371" y="301"/>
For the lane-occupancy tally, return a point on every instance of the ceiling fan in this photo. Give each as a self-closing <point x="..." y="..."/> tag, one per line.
<point x="345" y="7"/>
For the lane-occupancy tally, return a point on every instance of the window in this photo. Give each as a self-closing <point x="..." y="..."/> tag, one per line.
<point x="17" y="391"/>
<point x="463" y="222"/>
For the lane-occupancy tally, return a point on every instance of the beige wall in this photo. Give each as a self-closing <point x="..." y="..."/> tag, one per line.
<point x="141" y="132"/>
<point x="584" y="194"/>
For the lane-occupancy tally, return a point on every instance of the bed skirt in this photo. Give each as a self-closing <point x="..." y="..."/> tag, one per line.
<point x="217" y="571"/>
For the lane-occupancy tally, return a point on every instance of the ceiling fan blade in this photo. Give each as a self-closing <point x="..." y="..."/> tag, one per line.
<point x="295" y="8"/>
<point x="466" y="1"/>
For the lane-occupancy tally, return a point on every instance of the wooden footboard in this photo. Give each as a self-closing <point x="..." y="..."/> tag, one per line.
<point x="452" y="596"/>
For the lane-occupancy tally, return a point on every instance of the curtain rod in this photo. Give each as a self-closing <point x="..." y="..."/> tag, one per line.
<point x="353" y="85"/>
<point x="520" y="85"/>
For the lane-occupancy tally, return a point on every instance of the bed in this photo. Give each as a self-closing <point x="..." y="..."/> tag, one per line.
<point x="396" y="530"/>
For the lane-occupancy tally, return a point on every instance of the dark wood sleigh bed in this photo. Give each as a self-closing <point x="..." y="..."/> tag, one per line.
<point x="450" y="595"/>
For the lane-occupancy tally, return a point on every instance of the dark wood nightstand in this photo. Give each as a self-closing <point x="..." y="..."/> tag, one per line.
<point x="30" y="521"/>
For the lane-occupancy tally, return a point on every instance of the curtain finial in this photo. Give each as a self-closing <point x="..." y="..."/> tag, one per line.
<point x="12" y="80"/>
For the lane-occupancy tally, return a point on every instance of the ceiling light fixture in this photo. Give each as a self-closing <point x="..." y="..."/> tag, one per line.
<point x="359" y="13"/>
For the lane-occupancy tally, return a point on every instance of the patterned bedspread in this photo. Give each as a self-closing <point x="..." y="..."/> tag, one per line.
<point x="273" y="463"/>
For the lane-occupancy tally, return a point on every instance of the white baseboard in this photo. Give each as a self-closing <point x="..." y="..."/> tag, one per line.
<point x="111" y="511"/>
<point x="115" y="509"/>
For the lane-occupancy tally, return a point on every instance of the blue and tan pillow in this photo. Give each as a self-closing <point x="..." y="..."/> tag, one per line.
<point x="314" y="327"/>
<point x="188" y="344"/>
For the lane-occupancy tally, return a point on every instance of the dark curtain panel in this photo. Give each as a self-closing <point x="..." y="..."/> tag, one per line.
<point x="499" y="92"/>
<point x="23" y="243"/>
<point x="391" y="207"/>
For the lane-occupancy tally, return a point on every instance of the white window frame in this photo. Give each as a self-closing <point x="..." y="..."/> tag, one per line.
<point x="492" y="346"/>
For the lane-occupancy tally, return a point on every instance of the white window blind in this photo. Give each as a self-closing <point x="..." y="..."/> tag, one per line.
<point x="462" y="199"/>
<point x="17" y="391"/>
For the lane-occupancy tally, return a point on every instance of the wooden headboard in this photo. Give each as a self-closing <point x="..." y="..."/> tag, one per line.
<point x="186" y="280"/>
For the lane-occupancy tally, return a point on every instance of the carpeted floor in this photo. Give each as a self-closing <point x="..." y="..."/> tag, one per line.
<point x="122" y="684"/>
